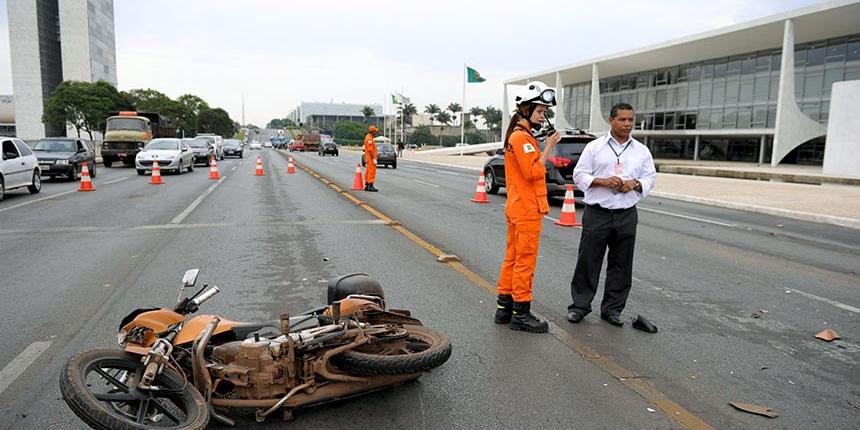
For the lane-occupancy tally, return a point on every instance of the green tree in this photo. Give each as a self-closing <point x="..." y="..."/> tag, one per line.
<point x="83" y="105"/>
<point x="368" y="112"/>
<point x="443" y="118"/>
<point x="409" y="109"/>
<point x="455" y="108"/>
<point x="216" y="121"/>
<point x="148" y="100"/>
<point x="349" y="130"/>
<point x="421" y="136"/>
<point x="188" y="118"/>
<point x="550" y="113"/>
<point x="493" y="118"/>
<point x="433" y="110"/>
<point x="476" y="112"/>
<point x="275" y="124"/>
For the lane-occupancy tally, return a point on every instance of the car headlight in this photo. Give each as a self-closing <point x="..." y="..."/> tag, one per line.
<point x="61" y="162"/>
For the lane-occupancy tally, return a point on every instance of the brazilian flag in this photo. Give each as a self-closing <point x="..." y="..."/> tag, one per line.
<point x="473" y="75"/>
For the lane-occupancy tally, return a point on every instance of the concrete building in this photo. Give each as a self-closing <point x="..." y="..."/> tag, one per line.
<point x="52" y="41"/>
<point x="7" y="115"/>
<point x="759" y="91"/>
<point x="325" y="115"/>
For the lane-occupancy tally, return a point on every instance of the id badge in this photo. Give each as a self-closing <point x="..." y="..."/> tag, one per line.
<point x="619" y="169"/>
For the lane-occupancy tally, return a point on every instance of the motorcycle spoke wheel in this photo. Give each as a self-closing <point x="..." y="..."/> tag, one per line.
<point x="420" y="350"/>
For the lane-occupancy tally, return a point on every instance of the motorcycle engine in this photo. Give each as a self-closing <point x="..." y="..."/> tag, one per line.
<point x="257" y="369"/>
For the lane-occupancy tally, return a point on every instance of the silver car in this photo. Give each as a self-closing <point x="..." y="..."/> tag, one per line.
<point x="18" y="167"/>
<point x="171" y="154"/>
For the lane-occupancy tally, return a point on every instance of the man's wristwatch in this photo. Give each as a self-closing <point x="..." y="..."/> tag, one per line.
<point x="638" y="186"/>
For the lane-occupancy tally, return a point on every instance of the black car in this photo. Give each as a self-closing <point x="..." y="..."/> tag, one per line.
<point x="559" y="167"/>
<point x="234" y="147"/>
<point x="64" y="156"/>
<point x="328" y="147"/>
<point x="386" y="156"/>
<point x="202" y="148"/>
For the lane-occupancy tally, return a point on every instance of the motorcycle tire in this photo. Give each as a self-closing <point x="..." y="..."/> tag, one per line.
<point x="123" y="412"/>
<point x="428" y="349"/>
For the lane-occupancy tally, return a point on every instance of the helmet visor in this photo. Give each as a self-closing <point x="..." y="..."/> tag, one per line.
<point x="548" y="96"/>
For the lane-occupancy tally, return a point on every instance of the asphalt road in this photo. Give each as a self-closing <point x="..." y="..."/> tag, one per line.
<point x="75" y="263"/>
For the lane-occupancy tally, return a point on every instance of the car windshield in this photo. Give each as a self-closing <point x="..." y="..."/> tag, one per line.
<point x="51" y="145"/>
<point x="232" y="143"/>
<point x="135" y="124"/>
<point x="198" y="143"/>
<point x="163" y="144"/>
<point x="386" y="147"/>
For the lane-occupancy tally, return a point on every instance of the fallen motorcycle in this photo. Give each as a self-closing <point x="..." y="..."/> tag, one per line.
<point x="176" y="370"/>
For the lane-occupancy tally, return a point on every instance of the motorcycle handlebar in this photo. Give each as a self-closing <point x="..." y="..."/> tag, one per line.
<point x="206" y="295"/>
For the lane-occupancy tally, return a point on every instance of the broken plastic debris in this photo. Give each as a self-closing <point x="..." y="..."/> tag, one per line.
<point x="444" y="258"/>
<point x="641" y="323"/>
<point x="650" y="410"/>
<point x="754" y="409"/>
<point x="828" y="335"/>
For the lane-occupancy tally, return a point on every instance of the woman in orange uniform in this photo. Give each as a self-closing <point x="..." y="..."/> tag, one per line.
<point x="525" y="180"/>
<point x="370" y="156"/>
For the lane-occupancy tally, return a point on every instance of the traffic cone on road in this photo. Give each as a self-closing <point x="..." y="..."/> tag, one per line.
<point x="259" y="171"/>
<point x="568" y="210"/>
<point x="156" y="174"/>
<point x="213" y="169"/>
<point x="481" y="190"/>
<point x="358" y="183"/>
<point x="291" y="168"/>
<point x="86" y="182"/>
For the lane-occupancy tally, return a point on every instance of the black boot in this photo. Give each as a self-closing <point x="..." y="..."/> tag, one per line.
<point x="371" y="188"/>
<point x="524" y="320"/>
<point x="504" y="308"/>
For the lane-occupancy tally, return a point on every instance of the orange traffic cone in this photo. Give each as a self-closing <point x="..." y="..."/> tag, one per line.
<point x="213" y="169"/>
<point x="481" y="190"/>
<point x="86" y="182"/>
<point x="259" y="171"/>
<point x="568" y="210"/>
<point x="291" y="168"/>
<point x="358" y="183"/>
<point x="156" y="174"/>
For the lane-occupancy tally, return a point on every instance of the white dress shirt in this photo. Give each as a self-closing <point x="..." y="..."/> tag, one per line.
<point x="598" y="161"/>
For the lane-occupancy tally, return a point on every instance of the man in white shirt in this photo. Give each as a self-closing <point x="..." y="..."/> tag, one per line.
<point x="615" y="171"/>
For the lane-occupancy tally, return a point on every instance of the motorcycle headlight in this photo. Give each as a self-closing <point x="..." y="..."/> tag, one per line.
<point x="61" y="162"/>
<point x="120" y="337"/>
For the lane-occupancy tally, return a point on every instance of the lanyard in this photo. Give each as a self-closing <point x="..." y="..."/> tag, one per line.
<point x="617" y="154"/>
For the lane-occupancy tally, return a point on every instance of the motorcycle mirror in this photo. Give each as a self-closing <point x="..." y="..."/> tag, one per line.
<point x="188" y="280"/>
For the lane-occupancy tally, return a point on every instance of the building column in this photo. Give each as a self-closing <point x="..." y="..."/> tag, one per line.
<point x="506" y="112"/>
<point x="793" y="128"/>
<point x="647" y="141"/>
<point x="596" y="121"/>
<point x="561" y="110"/>
<point x="696" y="145"/>
<point x="761" y="149"/>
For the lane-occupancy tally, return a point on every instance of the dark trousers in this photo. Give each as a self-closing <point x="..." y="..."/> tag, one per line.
<point x="602" y="229"/>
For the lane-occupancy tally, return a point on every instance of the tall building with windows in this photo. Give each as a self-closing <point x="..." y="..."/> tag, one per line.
<point x="324" y="116"/>
<point x="52" y="41"/>
<point x="756" y="92"/>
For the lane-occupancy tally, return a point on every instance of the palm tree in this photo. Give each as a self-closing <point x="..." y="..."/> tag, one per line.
<point x="368" y="112"/>
<point x="409" y="109"/>
<point x="433" y="110"/>
<point x="455" y="108"/>
<point x="476" y="112"/>
<point x="493" y="118"/>
<point x="443" y="119"/>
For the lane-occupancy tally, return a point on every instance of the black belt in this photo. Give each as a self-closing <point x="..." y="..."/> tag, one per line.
<point x="609" y="211"/>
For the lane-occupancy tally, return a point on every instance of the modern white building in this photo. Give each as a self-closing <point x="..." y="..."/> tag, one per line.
<point x="759" y="91"/>
<point x="7" y="115"/>
<point x="52" y="41"/>
<point x="325" y="115"/>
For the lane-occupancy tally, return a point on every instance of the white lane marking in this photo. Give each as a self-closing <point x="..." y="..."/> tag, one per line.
<point x="448" y="173"/>
<point x="196" y="202"/>
<point x="828" y="301"/>
<point x="125" y="228"/>
<point x="426" y="183"/>
<point x="20" y="363"/>
<point x="234" y="168"/>
<point x="115" y="181"/>
<point x="38" y="200"/>
<point x="550" y="218"/>
<point x="692" y="218"/>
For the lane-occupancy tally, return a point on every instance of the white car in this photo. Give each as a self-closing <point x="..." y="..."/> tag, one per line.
<point x="18" y="167"/>
<point x="254" y="146"/>
<point x="171" y="154"/>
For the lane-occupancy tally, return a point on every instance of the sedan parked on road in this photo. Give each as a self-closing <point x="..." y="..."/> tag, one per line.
<point x="559" y="166"/>
<point x="255" y="146"/>
<point x="202" y="150"/>
<point x="171" y="154"/>
<point x="297" y="145"/>
<point x="386" y="156"/>
<point x="328" y="147"/>
<point x="234" y="147"/>
<point x="63" y="156"/>
<point x="18" y="167"/>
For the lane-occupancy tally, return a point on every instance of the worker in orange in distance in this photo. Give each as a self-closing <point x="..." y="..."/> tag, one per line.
<point x="525" y="178"/>
<point x="370" y="156"/>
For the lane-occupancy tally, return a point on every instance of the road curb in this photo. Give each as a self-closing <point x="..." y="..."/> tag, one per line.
<point x="803" y="216"/>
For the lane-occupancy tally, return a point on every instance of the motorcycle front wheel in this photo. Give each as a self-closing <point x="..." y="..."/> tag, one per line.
<point x="100" y="386"/>
<point x="420" y="350"/>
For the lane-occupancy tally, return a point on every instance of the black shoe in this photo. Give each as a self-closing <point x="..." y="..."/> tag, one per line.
<point x="504" y="308"/>
<point x="575" y="317"/>
<point x="371" y="188"/>
<point x="523" y="319"/>
<point x="612" y="319"/>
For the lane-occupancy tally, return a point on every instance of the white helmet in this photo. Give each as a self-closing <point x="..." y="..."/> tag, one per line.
<point x="536" y="92"/>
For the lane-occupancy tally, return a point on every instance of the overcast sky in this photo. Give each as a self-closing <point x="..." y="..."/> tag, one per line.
<point x="279" y="53"/>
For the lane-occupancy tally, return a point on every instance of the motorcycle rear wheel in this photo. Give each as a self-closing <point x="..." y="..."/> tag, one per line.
<point x="100" y="388"/>
<point x="422" y="349"/>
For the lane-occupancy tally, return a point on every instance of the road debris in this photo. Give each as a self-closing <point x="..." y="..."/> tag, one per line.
<point x="828" y="335"/>
<point x="641" y="323"/>
<point x="754" y="409"/>
<point x="445" y="258"/>
<point x="650" y="410"/>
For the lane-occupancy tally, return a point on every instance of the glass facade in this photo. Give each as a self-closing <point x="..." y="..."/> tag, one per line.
<point x="50" y="57"/>
<point x="737" y="92"/>
<point x="102" y="40"/>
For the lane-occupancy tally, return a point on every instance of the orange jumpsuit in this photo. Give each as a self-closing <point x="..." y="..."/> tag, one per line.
<point x="370" y="156"/>
<point x="525" y="180"/>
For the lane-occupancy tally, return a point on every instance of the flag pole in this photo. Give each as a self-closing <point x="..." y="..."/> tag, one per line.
<point x="463" y="110"/>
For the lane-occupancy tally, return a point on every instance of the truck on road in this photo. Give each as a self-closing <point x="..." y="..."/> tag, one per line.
<point x="127" y="132"/>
